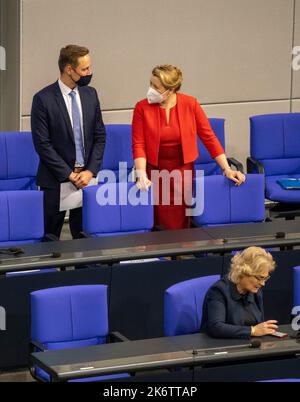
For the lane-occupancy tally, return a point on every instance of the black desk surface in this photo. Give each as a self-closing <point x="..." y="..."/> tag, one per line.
<point x="154" y="244"/>
<point x="111" y="249"/>
<point x="268" y="234"/>
<point x="179" y="351"/>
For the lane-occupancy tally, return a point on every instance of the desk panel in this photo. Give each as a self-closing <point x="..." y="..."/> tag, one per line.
<point x="110" y="249"/>
<point x="278" y="233"/>
<point x="164" y="353"/>
<point x="137" y="292"/>
<point x="136" y="307"/>
<point x="15" y="298"/>
<point x="250" y="371"/>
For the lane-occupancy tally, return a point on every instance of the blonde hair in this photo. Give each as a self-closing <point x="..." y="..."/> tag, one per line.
<point x="250" y="262"/>
<point x="170" y="76"/>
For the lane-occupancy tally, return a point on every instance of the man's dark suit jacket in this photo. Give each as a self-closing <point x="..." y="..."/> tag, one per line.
<point x="53" y="134"/>
<point x="224" y="311"/>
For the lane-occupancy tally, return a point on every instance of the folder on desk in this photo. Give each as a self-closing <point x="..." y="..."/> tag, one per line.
<point x="289" y="184"/>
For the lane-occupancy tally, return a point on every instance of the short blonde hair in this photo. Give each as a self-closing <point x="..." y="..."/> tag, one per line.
<point x="250" y="262"/>
<point x="170" y="76"/>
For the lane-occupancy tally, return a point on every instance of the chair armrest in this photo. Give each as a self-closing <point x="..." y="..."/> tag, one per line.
<point x="116" y="336"/>
<point x="37" y="345"/>
<point x="85" y="235"/>
<point x="237" y="164"/>
<point x="254" y="166"/>
<point x="158" y="228"/>
<point x="50" y="237"/>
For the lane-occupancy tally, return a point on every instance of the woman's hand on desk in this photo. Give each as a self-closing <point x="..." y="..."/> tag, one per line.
<point x="264" y="328"/>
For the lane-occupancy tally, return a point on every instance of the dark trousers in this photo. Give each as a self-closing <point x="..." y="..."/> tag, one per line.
<point x="54" y="219"/>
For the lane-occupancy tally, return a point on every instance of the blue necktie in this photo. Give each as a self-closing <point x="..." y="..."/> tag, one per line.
<point x="77" y="130"/>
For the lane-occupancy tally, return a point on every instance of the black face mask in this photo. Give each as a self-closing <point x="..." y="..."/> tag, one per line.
<point x="85" y="80"/>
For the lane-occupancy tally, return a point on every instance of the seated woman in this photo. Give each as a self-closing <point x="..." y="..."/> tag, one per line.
<point x="233" y="307"/>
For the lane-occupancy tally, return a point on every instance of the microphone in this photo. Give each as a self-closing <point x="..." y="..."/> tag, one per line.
<point x="11" y="251"/>
<point x="254" y="344"/>
<point x="55" y="254"/>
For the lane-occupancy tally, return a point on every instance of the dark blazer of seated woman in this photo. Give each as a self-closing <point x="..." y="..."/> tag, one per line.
<point x="233" y="306"/>
<point x="229" y="314"/>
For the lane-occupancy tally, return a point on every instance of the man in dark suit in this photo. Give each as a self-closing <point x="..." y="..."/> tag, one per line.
<point x="68" y="134"/>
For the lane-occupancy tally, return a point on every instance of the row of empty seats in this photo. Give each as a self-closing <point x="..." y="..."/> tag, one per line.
<point x="19" y="161"/>
<point x="274" y="152"/>
<point x="21" y="212"/>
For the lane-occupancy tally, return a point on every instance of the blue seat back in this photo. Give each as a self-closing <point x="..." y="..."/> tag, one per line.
<point x="18" y="161"/>
<point x="297" y="286"/>
<point x="183" y="303"/>
<point x="115" y="219"/>
<point x="21" y="217"/>
<point x="283" y="380"/>
<point x="70" y="317"/>
<point x="275" y="141"/>
<point x="204" y="160"/>
<point x="118" y="148"/>
<point x="225" y="203"/>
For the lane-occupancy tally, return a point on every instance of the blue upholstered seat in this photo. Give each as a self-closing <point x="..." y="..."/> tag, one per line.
<point x="22" y="222"/>
<point x="183" y="303"/>
<point x="297" y="286"/>
<point x="204" y="161"/>
<point x="69" y="317"/>
<point x="283" y="380"/>
<point x="21" y="217"/>
<point x="117" y="219"/>
<point x="18" y="161"/>
<point x="118" y="148"/>
<point x="275" y="144"/>
<point x="225" y="203"/>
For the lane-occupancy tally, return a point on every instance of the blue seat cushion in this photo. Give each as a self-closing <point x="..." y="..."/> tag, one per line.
<point x="70" y="316"/>
<point x="21" y="216"/>
<point x="102" y="378"/>
<point x="204" y="161"/>
<point x="275" y="136"/>
<point x="118" y="148"/>
<point x="297" y="286"/>
<point x="224" y="203"/>
<point x="18" y="162"/>
<point x="183" y="304"/>
<point x="283" y="380"/>
<point x="119" y="233"/>
<point x="17" y="243"/>
<point x="275" y="192"/>
<point x="116" y="214"/>
<point x="27" y="183"/>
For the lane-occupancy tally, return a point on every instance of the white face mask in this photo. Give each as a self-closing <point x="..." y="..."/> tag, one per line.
<point x="154" y="96"/>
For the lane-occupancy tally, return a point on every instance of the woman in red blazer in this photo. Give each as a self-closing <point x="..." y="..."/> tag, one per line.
<point x="164" y="138"/>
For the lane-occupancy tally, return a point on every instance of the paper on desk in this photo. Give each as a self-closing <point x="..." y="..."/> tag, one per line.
<point x="70" y="196"/>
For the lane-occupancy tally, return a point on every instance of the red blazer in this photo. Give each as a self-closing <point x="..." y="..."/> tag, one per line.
<point x="192" y="121"/>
